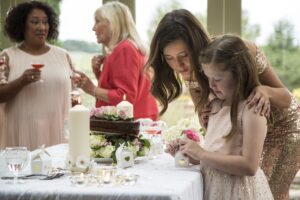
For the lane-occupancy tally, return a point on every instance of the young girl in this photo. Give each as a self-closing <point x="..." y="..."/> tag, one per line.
<point x="230" y="157"/>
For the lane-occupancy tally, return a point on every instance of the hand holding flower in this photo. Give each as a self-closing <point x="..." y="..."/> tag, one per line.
<point x="191" y="149"/>
<point x="172" y="147"/>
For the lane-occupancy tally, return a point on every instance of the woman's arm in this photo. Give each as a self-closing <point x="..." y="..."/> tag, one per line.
<point x="272" y="89"/>
<point x="97" y="62"/>
<point x="9" y="90"/>
<point x="85" y="83"/>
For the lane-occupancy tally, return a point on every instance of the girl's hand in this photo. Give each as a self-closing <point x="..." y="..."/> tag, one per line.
<point x="172" y="147"/>
<point x="205" y="115"/>
<point x="191" y="149"/>
<point x="260" y="99"/>
<point x="96" y="64"/>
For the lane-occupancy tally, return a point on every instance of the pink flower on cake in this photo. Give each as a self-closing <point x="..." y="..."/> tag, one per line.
<point x="123" y="114"/>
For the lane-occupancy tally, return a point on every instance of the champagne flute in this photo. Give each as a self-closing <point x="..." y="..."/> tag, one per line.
<point x="16" y="160"/>
<point x="38" y="66"/>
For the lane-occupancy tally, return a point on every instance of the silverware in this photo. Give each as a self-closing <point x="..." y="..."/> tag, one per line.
<point x="36" y="176"/>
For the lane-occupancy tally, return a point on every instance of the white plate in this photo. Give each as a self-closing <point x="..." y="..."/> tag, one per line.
<point x="103" y="160"/>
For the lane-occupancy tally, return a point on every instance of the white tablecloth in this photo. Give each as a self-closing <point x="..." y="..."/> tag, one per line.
<point x="159" y="180"/>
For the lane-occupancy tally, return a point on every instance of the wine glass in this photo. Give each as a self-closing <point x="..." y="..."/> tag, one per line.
<point x="75" y="93"/>
<point x="38" y="66"/>
<point x="2" y="60"/>
<point x="16" y="160"/>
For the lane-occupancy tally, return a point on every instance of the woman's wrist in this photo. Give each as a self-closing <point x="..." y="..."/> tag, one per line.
<point x="95" y="92"/>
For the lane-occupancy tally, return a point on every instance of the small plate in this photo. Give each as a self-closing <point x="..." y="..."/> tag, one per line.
<point x="103" y="160"/>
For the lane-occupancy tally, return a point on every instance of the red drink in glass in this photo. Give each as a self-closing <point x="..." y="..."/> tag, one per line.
<point x="37" y="66"/>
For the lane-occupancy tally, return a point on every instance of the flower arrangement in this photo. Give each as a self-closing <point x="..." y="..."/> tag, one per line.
<point x="110" y="113"/>
<point x="191" y="134"/>
<point x="105" y="146"/>
<point x="187" y="127"/>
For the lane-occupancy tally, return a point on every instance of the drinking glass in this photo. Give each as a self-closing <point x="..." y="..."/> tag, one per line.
<point x="75" y="93"/>
<point x="38" y="66"/>
<point x="16" y="160"/>
<point x="2" y="60"/>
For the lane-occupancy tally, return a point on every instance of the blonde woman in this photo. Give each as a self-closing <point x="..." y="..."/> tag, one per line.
<point x="122" y="72"/>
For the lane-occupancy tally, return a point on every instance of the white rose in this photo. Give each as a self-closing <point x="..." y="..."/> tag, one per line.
<point x="106" y="152"/>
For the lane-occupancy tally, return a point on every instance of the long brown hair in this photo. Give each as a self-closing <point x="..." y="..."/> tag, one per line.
<point x="175" y="25"/>
<point x="232" y="52"/>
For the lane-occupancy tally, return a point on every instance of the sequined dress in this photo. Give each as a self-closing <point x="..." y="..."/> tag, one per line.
<point x="281" y="155"/>
<point x="223" y="186"/>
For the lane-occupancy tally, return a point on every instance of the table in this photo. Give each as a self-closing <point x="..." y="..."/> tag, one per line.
<point x="159" y="180"/>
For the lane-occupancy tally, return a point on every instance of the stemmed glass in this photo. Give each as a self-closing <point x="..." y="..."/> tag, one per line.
<point x="2" y="60"/>
<point x="75" y="93"/>
<point x="38" y="66"/>
<point x="16" y="160"/>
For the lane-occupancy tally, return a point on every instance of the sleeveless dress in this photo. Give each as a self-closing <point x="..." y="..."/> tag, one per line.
<point x="281" y="153"/>
<point x="219" y="185"/>
<point x="35" y="116"/>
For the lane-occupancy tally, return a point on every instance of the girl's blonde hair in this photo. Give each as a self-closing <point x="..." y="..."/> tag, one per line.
<point x="122" y="25"/>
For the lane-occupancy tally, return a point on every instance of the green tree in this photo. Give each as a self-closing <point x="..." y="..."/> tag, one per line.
<point x="283" y="53"/>
<point x="249" y="31"/>
<point x="160" y="12"/>
<point x="55" y="4"/>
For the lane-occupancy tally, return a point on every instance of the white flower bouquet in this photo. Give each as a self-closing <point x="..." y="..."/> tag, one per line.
<point x="187" y="127"/>
<point x="105" y="146"/>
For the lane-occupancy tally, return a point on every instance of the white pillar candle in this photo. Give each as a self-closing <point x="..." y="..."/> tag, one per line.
<point x="79" y="123"/>
<point x="125" y="107"/>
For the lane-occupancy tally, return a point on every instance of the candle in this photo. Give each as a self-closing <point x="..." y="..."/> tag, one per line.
<point x="107" y="174"/>
<point x="79" y="123"/>
<point x="125" y="109"/>
<point x="79" y="180"/>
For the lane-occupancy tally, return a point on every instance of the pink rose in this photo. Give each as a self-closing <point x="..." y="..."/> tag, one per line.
<point x="191" y="134"/>
<point x="122" y="114"/>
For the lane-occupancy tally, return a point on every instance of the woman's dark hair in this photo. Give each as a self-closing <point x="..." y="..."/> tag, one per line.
<point x="231" y="52"/>
<point x="15" y="22"/>
<point x="175" y="25"/>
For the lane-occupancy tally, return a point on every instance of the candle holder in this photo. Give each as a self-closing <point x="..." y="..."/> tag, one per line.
<point x="127" y="179"/>
<point x="105" y="174"/>
<point x="79" y="180"/>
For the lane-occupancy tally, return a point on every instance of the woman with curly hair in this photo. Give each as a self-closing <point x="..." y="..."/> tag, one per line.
<point x="34" y="111"/>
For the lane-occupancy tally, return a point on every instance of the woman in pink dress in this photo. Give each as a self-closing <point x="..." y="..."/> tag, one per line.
<point x="33" y="112"/>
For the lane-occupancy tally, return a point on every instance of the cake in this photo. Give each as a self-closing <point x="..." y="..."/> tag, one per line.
<point x="112" y="127"/>
<point x="121" y="127"/>
<point x="107" y="120"/>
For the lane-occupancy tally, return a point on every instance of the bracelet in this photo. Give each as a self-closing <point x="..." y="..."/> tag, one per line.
<point x="94" y="93"/>
<point x="191" y="84"/>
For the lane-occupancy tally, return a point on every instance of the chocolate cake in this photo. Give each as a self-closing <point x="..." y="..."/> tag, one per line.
<point x="119" y="127"/>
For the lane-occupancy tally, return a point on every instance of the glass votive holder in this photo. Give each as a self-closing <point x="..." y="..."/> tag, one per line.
<point x="105" y="174"/>
<point x="127" y="179"/>
<point x="79" y="180"/>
